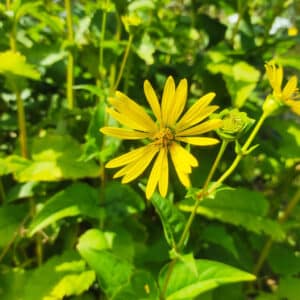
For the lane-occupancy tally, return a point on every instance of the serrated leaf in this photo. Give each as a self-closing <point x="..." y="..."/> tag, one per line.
<point x="56" y="157"/>
<point x="72" y="285"/>
<point x="112" y="271"/>
<point x="241" y="207"/>
<point x="77" y="199"/>
<point x="172" y="219"/>
<point x="183" y="284"/>
<point x="14" y="63"/>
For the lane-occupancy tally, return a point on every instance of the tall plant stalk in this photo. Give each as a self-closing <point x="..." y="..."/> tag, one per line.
<point x="70" y="63"/>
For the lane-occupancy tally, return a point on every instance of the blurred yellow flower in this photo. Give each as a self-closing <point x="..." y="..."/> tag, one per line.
<point x="165" y="134"/>
<point x="289" y="93"/>
<point x="292" y="31"/>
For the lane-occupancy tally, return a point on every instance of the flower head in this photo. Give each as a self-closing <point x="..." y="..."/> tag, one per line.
<point x="165" y="135"/>
<point x="287" y="95"/>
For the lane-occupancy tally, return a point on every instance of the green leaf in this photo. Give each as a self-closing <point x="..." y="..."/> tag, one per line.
<point x="217" y="235"/>
<point x="172" y="219"/>
<point x="284" y="260"/>
<point x="11" y="217"/>
<point x="14" y="63"/>
<point x="46" y="276"/>
<point x="146" y="49"/>
<point x="289" y="288"/>
<point x="56" y="157"/>
<point x="184" y="284"/>
<point x="70" y="285"/>
<point x="142" y="286"/>
<point x="77" y="199"/>
<point x="21" y="191"/>
<point x="112" y="271"/>
<point x="240" y="207"/>
<point x="12" y="163"/>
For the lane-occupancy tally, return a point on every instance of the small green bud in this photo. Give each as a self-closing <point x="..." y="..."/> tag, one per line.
<point x="271" y="105"/>
<point x="235" y="124"/>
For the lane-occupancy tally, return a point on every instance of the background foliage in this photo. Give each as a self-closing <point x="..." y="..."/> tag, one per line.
<point x="67" y="230"/>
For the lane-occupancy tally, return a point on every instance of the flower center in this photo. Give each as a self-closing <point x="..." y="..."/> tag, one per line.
<point x="164" y="137"/>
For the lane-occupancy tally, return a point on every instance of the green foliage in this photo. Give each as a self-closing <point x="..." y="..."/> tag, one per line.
<point x="68" y="228"/>
<point x="240" y="207"/>
<point x="186" y="285"/>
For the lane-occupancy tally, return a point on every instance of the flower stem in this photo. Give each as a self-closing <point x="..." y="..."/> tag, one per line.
<point x="199" y="197"/>
<point x="2" y="192"/>
<point x="22" y="124"/>
<point x="122" y="67"/>
<point x="101" y="42"/>
<point x="70" y="64"/>
<point x="268" y="245"/>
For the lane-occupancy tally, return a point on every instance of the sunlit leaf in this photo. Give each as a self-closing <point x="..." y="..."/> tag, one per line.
<point x="77" y="199"/>
<point x="14" y="63"/>
<point x="184" y="284"/>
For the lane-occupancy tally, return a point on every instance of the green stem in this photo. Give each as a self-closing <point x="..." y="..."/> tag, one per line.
<point x="22" y="125"/>
<point x="102" y="38"/>
<point x="2" y="192"/>
<point x="122" y="67"/>
<point x="241" y="9"/>
<point x="268" y="245"/>
<point x="70" y="63"/>
<point x="186" y="230"/>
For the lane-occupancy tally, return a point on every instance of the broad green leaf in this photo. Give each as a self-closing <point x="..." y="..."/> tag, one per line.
<point x="121" y="201"/>
<point x="217" y="235"/>
<point x="12" y="283"/>
<point x="11" y="217"/>
<point x="20" y="191"/>
<point x="172" y="219"/>
<point x="77" y="199"/>
<point x="284" y="260"/>
<point x="142" y="286"/>
<point x="241" y="207"/>
<point x="289" y="288"/>
<point x="70" y="285"/>
<point x="44" y="278"/>
<point x="14" y="63"/>
<point x="56" y="157"/>
<point x="184" y="284"/>
<point x="112" y="271"/>
<point x="12" y="163"/>
<point x="289" y="143"/>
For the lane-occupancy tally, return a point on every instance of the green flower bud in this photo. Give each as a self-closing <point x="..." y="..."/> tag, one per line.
<point x="271" y="105"/>
<point x="235" y="124"/>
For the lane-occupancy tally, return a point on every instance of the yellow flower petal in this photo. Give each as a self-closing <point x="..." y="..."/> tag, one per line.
<point x="125" y="134"/>
<point x="195" y="118"/>
<point x="164" y="176"/>
<point x="152" y="100"/>
<point x="167" y="99"/>
<point x="290" y="88"/>
<point x="138" y="167"/>
<point x="178" y="102"/>
<point x="128" y="121"/>
<point x="199" y="141"/>
<point x="201" y="128"/>
<point x="155" y="174"/>
<point x="294" y="105"/>
<point x="275" y="76"/>
<point x="194" y="110"/>
<point x="182" y="161"/>
<point x="126" y="158"/>
<point x="124" y="105"/>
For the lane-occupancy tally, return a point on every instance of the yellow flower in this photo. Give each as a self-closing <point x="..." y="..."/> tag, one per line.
<point x="289" y="93"/>
<point x="165" y="135"/>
